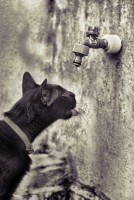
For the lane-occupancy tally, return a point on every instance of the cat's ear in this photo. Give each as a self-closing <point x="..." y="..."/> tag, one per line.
<point x="44" y="84"/>
<point x="28" y="82"/>
<point x="45" y="93"/>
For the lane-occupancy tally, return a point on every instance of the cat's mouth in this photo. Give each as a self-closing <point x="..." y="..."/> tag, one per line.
<point x="71" y="112"/>
<point x="69" y="105"/>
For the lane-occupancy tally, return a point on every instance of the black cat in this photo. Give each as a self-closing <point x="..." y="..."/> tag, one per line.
<point x="39" y="106"/>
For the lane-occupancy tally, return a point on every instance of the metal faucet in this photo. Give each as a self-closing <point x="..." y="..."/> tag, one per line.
<point x="110" y="43"/>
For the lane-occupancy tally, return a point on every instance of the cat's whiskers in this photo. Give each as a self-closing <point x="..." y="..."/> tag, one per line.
<point x="80" y="109"/>
<point x="83" y="103"/>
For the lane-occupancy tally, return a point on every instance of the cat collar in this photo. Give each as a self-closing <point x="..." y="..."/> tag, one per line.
<point x="21" y="134"/>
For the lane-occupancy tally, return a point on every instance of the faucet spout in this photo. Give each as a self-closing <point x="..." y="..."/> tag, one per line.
<point x="80" y="50"/>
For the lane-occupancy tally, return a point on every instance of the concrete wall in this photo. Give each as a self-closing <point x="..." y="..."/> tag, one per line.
<point x="38" y="36"/>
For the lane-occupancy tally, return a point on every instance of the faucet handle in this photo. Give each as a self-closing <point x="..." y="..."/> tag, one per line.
<point x="94" y="31"/>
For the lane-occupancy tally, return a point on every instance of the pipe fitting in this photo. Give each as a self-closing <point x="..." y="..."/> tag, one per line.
<point x="114" y="43"/>
<point x="80" y="51"/>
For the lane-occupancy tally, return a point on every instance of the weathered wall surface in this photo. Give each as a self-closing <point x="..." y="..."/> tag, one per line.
<point x="38" y="36"/>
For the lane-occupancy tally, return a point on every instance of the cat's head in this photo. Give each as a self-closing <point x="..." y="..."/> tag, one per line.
<point x="48" y="100"/>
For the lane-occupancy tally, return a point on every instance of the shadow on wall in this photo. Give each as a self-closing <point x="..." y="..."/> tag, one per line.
<point x="37" y="39"/>
<point x="19" y="32"/>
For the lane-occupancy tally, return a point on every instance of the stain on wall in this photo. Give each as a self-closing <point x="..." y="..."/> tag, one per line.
<point x="38" y="36"/>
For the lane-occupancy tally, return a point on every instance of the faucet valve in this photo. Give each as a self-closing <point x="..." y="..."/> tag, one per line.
<point x="92" y="31"/>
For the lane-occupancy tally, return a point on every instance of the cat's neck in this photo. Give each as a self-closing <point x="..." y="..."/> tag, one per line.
<point x="31" y="129"/>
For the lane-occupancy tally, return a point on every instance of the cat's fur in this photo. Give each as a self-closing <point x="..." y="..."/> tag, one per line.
<point x="39" y="106"/>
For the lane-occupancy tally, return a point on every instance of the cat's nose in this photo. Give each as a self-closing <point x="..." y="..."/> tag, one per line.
<point x="71" y="94"/>
<point x="68" y="94"/>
